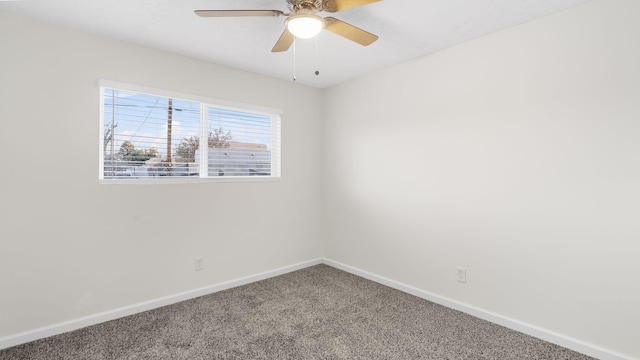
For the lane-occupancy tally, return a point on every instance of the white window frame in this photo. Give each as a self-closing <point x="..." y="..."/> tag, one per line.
<point x="205" y="102"/>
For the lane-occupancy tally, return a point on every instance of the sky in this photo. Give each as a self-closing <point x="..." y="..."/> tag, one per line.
<point x="143" y="120"/>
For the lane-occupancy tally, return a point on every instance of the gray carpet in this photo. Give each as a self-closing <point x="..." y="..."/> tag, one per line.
<point x="315" y="313"/>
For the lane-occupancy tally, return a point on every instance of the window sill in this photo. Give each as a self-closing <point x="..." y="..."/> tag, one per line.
<point x="189" y="180"/>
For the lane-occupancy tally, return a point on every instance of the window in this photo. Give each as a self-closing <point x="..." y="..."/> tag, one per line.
<point x="155" y="136"/>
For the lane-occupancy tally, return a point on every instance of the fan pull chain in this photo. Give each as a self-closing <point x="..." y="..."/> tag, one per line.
<point x="317" y="61"/>
<point x="294" y="60"/>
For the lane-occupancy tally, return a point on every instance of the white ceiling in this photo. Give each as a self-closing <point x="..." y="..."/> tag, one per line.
<point x="407" y="29"/>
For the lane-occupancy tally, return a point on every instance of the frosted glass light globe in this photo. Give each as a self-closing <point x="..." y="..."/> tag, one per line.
<point x="305" y="26"/>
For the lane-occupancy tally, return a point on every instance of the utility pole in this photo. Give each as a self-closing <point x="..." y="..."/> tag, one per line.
<point x="169" y="125"/>
<point x="113" y="126"/>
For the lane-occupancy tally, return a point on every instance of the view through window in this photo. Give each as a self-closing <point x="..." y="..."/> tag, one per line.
<point x="156" y="137"/>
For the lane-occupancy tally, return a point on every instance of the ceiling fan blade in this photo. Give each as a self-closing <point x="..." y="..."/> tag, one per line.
<point x="349" y="31"/>
<point x="339" y="5"/>
<point x="233" y="13"/>
<point x="284" y="43"/>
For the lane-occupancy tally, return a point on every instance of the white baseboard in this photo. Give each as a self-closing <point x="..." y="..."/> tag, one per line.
<point x="546" y="335"/>
<point x="75" y="324"/>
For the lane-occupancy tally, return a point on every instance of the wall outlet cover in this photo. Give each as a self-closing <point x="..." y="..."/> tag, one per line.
<point x="199" y="263"/>
<point x="462" y="275"/>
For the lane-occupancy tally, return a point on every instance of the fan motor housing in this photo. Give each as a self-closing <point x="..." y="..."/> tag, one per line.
<point x="315" y="5"/>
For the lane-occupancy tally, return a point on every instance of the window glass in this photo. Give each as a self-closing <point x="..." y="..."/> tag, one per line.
<point x="147" y="136"/>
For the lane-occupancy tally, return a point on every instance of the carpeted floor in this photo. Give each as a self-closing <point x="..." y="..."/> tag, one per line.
<point x="315" y="313"/>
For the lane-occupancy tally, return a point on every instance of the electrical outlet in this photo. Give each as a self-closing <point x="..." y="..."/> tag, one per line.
<point x="462" y="275"/>
<point x="199" y="263"/>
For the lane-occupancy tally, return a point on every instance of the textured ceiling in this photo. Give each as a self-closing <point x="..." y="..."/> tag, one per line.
<point x="407" y="29"/>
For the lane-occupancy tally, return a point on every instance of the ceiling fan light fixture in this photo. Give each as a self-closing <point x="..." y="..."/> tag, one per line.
<point x="305" y="26"/>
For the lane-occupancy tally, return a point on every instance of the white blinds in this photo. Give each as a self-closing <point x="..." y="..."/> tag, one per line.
<point x="150" y="136"/>
<point x="241" y="143"/>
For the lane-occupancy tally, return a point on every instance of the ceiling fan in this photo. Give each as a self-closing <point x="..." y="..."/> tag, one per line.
<point x="303" y="21"/>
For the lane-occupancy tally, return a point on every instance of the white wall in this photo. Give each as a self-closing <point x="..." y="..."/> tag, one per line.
<point x="71" y="247"/>
<point x="515" y="155"/>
